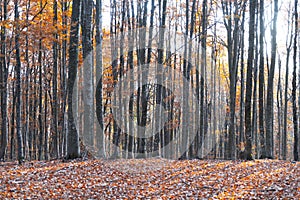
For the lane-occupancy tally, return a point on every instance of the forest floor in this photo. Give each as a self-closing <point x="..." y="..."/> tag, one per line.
<point x="150" y="179"/>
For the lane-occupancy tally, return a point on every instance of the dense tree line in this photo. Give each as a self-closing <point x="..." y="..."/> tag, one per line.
<point x="216" y="77"/>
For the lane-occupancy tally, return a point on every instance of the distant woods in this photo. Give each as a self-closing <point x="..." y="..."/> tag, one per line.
<point x="188" y="79"/>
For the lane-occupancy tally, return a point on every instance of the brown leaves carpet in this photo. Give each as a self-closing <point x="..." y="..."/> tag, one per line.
<point x="150" y="179"/>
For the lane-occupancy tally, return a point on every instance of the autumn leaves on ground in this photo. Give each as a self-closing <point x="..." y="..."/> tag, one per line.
<point x="151" y="178"/>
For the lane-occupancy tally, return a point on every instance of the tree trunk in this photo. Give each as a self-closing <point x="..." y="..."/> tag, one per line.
<point x="279" y="112"/>
<point x="54" y="86"/>
<point x="248" y="99"/>
<point x="288" y="51"/>
<point x="73" y="148"/>
<point x="99" y="35"/>
<point x="88" y="71"/>
<point x="242" y="96"/>
<point x="18" y="87"/>
<point x="269" y="113"/>
<point x="261" y="80"/>
<point x="3" y="82"/>
<point x="294" y="90"/>
<point x="232" y="29"/>
<point x="202" y="73"/>
<point x="41" y="130"/>
<point x="63" y="122"/>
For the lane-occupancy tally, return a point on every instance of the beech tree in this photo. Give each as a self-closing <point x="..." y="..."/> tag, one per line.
<point x="294" y="98"/>
<point x="232" y="8"/>
<point x="18" y="87"/>
<point x="88" y="69"/>
<point x="261" y="79"/>
<point x="73" y="148"/>
<point x="269" y="112"/>
<point x="3" y="76"/>
<point x="248" y="110"/>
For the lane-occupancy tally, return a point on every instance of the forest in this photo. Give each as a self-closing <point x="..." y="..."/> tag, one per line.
<point x="179" y="82"/>
<point x="213" y="79"/>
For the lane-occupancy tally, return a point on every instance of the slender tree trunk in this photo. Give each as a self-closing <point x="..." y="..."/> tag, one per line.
<point x="121" y="70"/>
<point x="269" y="114"/>
<point x="294" y="90"/>
<point x="215" y="92"/>
<point x="298" y="145"/>
<point x="185" y="92"/>
<point x="88" y="67"/>
<point x="73" y="148"/>
<point x="232" y="29"/>
<point x="63" y="86"/>
<point x="34" y="113"/>
<point x="248" y="99"/>
<point x="55" y="136"/>
<point x="114" y="60"/>
<point x="27" y="91"/>
<point x="12" y="128"/>
<point x="242" y="96"/>
<point x="99" y="35"/>
<point x="254" y="102"/>
<point x="46" y="135"/>
<point x="261" y="80"/>
<point x="41" y="88"/>
<point x="203" y="66"/>
<point x="18" y="87"/>
<point x="144" y="78"/>
<point x="279" y="112"/>
<point x="148" y="61"/>
<point x="3" y="76"/>
<point x="288" y="51"/>
<point x="130" y="138"/>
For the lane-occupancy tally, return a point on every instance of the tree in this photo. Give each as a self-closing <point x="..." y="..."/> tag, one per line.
<point x="3" y="82"/>
<point x="232" y="27"/>
<point x="289" y="42"/>
<point x="269" y="113"/>
<point x="248" y="124"/>
<point x="54" y="87"/>
<point x="203" y="66"/>
<point x="261" y="79"/>
<point x="41" y="89"/>
<point x="295" y="114"/>
<point x="88" y="70"/>
<point x="99" y="36"/>
<point x="73" y="148"/>
<point x="63" y="122"/>
<point x="18" y="86"/>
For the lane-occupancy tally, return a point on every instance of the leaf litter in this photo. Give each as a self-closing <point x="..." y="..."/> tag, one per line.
<point x="150" y="179"/>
